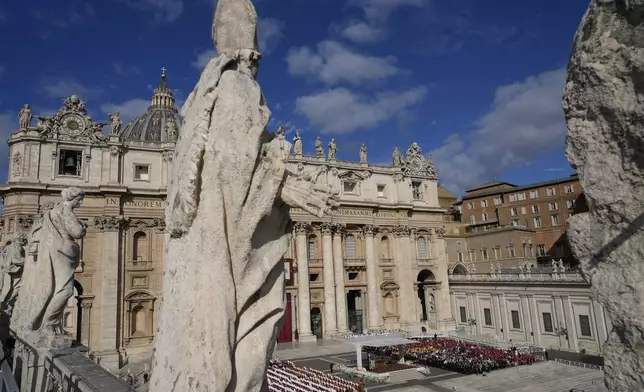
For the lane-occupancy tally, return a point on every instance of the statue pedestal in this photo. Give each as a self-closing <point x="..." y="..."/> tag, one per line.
<point x="43" y="341"/>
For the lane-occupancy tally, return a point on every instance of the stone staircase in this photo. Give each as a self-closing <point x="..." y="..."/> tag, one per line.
<point x="546" y="376"/>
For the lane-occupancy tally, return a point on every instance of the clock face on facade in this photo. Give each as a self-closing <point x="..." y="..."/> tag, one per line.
<point x="73" y="124"/>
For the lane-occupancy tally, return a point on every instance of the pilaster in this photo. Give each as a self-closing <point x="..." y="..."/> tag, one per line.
<point x="303" y="290"/>
<point x="571" y="325"/>
<point x="107" y="348"/>
<point x="116" y="151"/>
<point x="330" y="326"/>
<point x="374" y="319"/>
<point x="340" y="294"/>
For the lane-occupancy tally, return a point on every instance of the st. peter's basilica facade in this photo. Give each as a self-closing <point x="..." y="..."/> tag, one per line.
<point x="378" y="261"/>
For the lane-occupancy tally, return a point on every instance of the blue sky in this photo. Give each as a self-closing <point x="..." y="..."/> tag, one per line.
<point x="476" y="83"/>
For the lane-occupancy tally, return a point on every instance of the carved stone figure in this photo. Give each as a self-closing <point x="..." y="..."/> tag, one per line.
<point x="115" y="125"/>
<point x="333" y="149"/>
<point x="24" y="118"/>
<point x="229" y="224"/>
<point x="491" y="267"/>
<point x="48" y="278"/>
<point x="555" y="267"/>
<point x="560" y="264"/>
<point x="319" y="149"/>
<point x="12" y="261"/>
<point x="415" y="164"/>
<point x="397" y="159"/>
<point x="498" y="268"/>
<point x="363" y="154"/>
<point x="171" y="131"/>
<point x="297" y="144"/>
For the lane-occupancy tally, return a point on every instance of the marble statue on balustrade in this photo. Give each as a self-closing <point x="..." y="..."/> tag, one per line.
<point x="333" y="150"/>
<point x="319" y="148"/>
<point x="397" y="158"/>
<point x="229" y="224"/>
<point x="297" y="144"/>
<point x="24" y="118"/>
<point x="363" y="154"/>
<point x="115" y="124"/>
<point x="48" y="276"/>
<point x="12" y="261"/>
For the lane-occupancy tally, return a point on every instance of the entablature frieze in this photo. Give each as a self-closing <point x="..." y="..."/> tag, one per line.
<point x="109" y="223"/>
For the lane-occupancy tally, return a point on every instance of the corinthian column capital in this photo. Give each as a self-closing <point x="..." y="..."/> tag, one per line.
<point x="301" y="227"/>
<point x="369" y="230"/>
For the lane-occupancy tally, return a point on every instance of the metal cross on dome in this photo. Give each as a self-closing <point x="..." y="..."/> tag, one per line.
<point x="163" y="70"/>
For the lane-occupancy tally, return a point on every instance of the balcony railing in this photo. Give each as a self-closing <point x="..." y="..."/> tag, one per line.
<point x="315" y="261"/>
<point x="568" y="276"/>
<point x="354" y="262"/>
<point x="136" y="265"/>
<point x="424" y="261"/>
<point x="386" y="261"/>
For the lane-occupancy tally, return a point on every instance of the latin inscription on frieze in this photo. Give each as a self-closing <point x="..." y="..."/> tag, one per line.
<point x="113" y="201"/>
<point x="365" y="213"/>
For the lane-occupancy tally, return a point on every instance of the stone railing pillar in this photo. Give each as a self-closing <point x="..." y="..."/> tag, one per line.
<point x="303" y="290"/>
<point x="330" y="325"/>
<point x="373" y="295"/>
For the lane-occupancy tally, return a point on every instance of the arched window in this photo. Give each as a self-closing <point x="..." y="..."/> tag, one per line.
<point x="421" y="246"/>
<point x="350" y="247"/>
<point x="140" y="247"/>
<point x="138" y="325"/>
<point x="390" y="307"/>
<point x="385" y="250"/>
<point x="311" y="247"/>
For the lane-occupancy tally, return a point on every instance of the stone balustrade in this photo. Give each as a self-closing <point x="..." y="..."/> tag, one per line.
<point x="69" y="370"/>
<point x="567" y="276"/>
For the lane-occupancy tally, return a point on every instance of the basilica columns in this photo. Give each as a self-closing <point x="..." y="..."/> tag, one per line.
<point x="340" y="295"/>
<point x="405" y="276"/>
<point x="372" y="280"/>
<point x="303" y="294"/>
<point x="329" y="280"/>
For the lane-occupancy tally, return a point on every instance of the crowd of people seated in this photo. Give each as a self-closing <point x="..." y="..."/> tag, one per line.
<point x="375" y="332"/>
<point x="284" y="376"/>
<point x="458" y="356"/>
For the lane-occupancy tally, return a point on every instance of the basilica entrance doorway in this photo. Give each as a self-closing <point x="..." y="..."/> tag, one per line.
<point x="316" y="322"/>
<point x="355" y="310"/>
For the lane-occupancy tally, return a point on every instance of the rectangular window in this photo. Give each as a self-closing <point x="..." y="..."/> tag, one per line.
<point x="570" y="204"/>
<point x="460" y="257"/>
<point x="472" y="255"/>
<point x="511" y="251"/>
<point x="553" y="206"/>
<point x="311" y="249"/>
<point x="551" y="192"/>
<point x="516" y="321"/>
<point x="513" y="197"/>
<point x="524" y="247"/>
<point x="537" y="222"/>
<point x="547" y="322"/>
<point x="381" y="191"/>
<point x="487" y="315"/>
<point x="554" y="219"/>
<point x="535" y="209"/>
<point x="349" y="187"/>
<point x="541" y="250"/>
<point x="470" y="205"/>
<point x="498" y="201"/>
<point x="416" y="191"/>
<point x="141" y="173"/>
<point x="569" y="188"/>
<point x="524" y="210"/>
<point x="70" y="163"/>
<point x="520" y="196"/>
<point x="584" y="325"/>
<point x="534" y="194"/>
<point x="515" y="222"/>
<point x="496" y="253"/>
<point x="463" y="313"/>
<point x="484" y="254"/>
<point x="514" y="212"/>
<point x="484" y="217"/>
<point x="472" y="220"/>
<point x="531" y="251"/>
<point x="483" y="203"/>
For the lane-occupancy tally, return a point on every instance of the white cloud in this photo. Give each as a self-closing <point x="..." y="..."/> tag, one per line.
<point x="525" y="121"/>
<point x="361" y="32"/>
<point x="163" y="11"/>
<point x="269" y="32"/>
<point x="343" y="111"/>
<point x="334" y="63"/>
<point x="64" y="87"/>
<point x="379" y="10"/>
<point x="128" y="110"/>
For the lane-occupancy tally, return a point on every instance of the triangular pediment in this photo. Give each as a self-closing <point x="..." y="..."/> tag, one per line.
<point x="351" y="176"/>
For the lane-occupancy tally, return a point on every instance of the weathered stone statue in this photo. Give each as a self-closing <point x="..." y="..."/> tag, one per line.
<point x="115" y="124"/>
<point x="319" y="149"/>
<point x="397" y="159"/>
<point x="12" y="261"/>
<point x="363" y="153"/>
<point x="171" y="131"/>
<point x="24" y="118"/>
<point x="229" y="224"/>
<point x="48" y="278"/>
<point x="603" y="108"/>
<point x="297" y="144"/>
<point x="333" y="149"/>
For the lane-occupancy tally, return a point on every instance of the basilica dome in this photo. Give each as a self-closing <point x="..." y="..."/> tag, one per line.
<point x="161" y="122"/>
